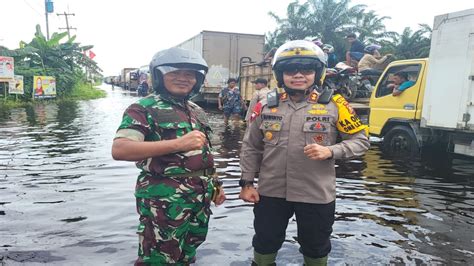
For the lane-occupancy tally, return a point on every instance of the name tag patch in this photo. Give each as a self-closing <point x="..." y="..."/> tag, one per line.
<point x="272" y="117"/>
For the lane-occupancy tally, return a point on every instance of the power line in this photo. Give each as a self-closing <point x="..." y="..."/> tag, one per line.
<point x="34" y="9"/>
<point x="66" y="15"/>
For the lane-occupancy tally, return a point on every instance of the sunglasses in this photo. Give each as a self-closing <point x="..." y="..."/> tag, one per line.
<point x="303" y="70"/>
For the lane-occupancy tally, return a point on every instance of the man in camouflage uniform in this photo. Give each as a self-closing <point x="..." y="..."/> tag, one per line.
<point x="168" y="138"/>
<point x="291" y="146"/>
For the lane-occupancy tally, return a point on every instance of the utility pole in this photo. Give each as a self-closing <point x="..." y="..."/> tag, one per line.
<point x="49" y="8"/>
<point x="67" y="23"/>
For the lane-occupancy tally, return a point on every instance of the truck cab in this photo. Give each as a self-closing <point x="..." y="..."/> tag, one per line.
<point x="397" y="118"/>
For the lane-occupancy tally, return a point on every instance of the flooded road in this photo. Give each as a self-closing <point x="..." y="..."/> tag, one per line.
<point x="65" y="201"/>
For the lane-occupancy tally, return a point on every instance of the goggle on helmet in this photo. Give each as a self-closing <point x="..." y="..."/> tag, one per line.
<point x="299" y="53"/>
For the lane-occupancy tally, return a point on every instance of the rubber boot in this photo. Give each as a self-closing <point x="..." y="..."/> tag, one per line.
<point x="315" y="262"/>
<point x="264" y="259"/>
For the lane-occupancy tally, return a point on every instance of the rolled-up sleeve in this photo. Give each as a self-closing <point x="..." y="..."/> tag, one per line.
<point x="135" y="123"/>
<point x="353" y="145"/>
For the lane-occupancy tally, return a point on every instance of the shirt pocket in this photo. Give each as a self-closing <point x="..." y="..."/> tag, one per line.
<point x="173" y="130"/>
<point x="271" y="131"/>
<point x="317" y="132"/>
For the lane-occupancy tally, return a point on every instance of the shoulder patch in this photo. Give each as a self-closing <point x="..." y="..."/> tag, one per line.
<point x="348" y="121"/>
<point x="257" y="110"/>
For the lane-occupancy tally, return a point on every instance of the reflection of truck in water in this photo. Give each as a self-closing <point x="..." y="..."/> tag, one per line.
<point x="439" y="106"/>
<point x="223" y="52"/>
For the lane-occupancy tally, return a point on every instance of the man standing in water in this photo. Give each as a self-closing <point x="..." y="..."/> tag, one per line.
<point x="168" y="137"/>
<point x="291" y="147"/>
<point x="230" y="101"/>
<point x="260" y="93"/>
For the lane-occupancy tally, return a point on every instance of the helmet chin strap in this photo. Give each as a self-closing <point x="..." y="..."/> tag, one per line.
<point x="164" y="93"/>
<point x="293" y="92"/>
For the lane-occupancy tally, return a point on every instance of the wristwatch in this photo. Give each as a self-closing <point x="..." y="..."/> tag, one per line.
<point x="245" y="183"/>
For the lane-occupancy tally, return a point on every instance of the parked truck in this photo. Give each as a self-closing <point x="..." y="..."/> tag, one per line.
<point x="125" y="77"/>
<point x="131" y="80"/>
<point x="438" y="109"/>
<point x="224" y="52"/>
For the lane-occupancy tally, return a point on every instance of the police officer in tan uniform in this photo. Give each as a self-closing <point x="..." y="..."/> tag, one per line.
<point x="260" y="93"/>
<point x="291" y="148"/>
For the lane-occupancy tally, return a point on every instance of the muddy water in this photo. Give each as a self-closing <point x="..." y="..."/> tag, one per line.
<point x="64" y="201"/>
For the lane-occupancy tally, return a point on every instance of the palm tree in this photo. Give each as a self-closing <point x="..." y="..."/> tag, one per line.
<point x="295" y="26"/>
<point x="411" y="44"/>
<point x="371" y="28"/>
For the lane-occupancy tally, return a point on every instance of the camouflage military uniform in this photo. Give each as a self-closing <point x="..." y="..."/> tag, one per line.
<point x="173" y="203"/>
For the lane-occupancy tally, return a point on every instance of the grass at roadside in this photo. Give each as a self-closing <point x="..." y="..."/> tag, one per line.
<point x="85" y="92"/>
<point x="81" y="91"/>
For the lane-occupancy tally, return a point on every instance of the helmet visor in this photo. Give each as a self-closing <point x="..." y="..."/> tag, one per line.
<point x="168" y="69"/>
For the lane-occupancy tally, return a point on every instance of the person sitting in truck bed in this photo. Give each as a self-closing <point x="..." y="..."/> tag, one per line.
<point x="372" y="63"/>
<point x="400" y="83"/>
<point x="356" y="51"/>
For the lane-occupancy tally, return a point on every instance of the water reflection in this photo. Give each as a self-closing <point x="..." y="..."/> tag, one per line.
<point x="63" y="200"/>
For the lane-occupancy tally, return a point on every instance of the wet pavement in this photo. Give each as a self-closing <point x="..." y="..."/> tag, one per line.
<point x="65" y="201"/>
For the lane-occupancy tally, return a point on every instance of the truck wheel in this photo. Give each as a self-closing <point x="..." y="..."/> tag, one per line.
<point x="401" y="141"/>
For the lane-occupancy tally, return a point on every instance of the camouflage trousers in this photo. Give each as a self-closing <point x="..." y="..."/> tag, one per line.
<point x="174" y="216"/>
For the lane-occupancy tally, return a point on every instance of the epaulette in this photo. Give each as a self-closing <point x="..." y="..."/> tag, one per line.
<point x="326" y="96"/>
<point x="313" y="97"/>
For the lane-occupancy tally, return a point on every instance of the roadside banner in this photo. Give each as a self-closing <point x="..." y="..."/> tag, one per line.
<point x="44" y="87"/>
<point x="6" y="67"/>
<point x="16" y="87"/>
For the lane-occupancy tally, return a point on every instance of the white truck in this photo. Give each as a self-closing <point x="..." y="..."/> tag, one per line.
<point x="224" y="53"/>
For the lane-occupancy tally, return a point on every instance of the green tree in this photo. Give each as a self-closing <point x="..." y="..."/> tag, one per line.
<point x="294" y="26"/>
<point x="328" y="20"/>
<point x="371" y="28"/>
<point x="411" y="44"/>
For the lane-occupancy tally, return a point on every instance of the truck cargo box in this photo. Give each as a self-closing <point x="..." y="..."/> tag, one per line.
<point x="449" y="95"/>
<point x="223" y="52"/>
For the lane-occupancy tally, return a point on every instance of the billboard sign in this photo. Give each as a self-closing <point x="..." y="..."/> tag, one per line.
<point x="16" y="87"/>
<point x="44" y="87"/>
<point x="6" y="67"/>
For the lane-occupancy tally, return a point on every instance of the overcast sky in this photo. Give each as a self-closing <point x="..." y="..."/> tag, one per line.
<point x="129" y="33"/>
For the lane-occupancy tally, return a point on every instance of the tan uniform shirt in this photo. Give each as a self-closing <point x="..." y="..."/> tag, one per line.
<point x="273" y="146"/>
<point x="371" y="62"/>
<point x="257" y="97"/>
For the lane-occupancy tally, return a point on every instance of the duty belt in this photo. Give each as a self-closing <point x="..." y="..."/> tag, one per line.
<point x="204" y="172"/>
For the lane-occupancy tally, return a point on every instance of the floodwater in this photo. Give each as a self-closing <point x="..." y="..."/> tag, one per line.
<point x="65" y="201"/>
